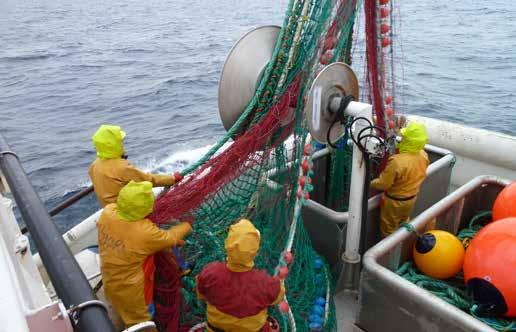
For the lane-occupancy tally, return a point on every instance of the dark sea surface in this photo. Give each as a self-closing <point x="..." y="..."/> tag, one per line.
<point x="67" y="66"/>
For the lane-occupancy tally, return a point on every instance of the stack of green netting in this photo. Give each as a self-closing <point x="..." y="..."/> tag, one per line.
<point x="269" y="200"/>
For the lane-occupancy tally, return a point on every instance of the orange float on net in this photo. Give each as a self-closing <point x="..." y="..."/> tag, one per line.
<point x="302" y="181"/>
<point x="388" y="100"/>
<point x="305" y="165"/>
<point x="326" y="57"/>
<point x="288" y="257"/>
<point x="384" y="28"/>
<point x="505" y="203"/>
<point x="307" y="149"/>
<point x="489" y="268"/>
<point x="438" y="254"/>
<point x="283" y="272"/>
<point x="329" y="43"/>
<point x="386" y="42"/>
<point x="300" y="194"/>
<point x="284" y="307"/>
<point x="389" y="112"/>
<point x="384" y="12"/>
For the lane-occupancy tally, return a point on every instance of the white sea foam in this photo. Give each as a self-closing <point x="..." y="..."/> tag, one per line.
<point x="176" y="161"/>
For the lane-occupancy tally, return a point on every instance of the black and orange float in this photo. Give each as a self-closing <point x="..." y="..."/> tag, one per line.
<point x="490" y="268"/>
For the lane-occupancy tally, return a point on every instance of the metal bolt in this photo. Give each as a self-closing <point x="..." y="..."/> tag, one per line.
<point x="21" y="245"/>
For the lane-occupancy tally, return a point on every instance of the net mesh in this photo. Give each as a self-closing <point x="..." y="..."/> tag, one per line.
<point x="257" y="177"/>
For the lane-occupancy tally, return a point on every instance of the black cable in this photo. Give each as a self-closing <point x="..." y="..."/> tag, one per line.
<point x="384" y="142"/>
<point x="340" y="116"/>
<point x="328" y="139"/>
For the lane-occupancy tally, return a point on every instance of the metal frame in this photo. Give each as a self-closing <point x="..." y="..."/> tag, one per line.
<point x="389" y="301"/>
<point x="328" y="228"/>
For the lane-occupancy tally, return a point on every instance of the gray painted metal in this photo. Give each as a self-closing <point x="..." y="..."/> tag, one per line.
<point x="327" y="228"/>
<point x="334" y="81"/>
<point x="388" y="302"/>
<point x="243" y="70"/>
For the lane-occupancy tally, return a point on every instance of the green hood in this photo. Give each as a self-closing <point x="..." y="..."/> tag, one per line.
<point x="109" y="142"/>
<point x="135" y="201"/>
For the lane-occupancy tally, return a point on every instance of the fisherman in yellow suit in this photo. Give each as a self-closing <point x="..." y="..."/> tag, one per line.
<point x="126" y="238"/>
<point x="237" y="294"/>
<point x="110" y="171"/>
<point x="402" y="178"/>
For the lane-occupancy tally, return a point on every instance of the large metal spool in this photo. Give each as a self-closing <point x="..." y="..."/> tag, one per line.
<point x="334" y="82"/>
<point x="243" y="70"/>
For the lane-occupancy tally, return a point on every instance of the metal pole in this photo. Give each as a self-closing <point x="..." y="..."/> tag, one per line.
<point x="356" y="190"/>
<point x="70" y="284"/>
<point x="58" y="208"/>
<point x="63" y="205"/>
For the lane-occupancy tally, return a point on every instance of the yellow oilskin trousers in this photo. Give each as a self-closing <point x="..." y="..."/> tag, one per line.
<point x="109" y="176"/>
<point x="400" y="182"/>
<point x="124" y="245"/>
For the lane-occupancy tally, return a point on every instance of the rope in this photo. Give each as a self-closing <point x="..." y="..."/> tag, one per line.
<point x="409" y="227"/>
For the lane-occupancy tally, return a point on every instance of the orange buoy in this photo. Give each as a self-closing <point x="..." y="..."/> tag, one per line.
<point x="489" y="268"/>
<point x="505" y="203"/>
<point x="438" y="254"/>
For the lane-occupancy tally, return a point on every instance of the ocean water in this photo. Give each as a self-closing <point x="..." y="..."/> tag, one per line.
<point x="67" y="66"/>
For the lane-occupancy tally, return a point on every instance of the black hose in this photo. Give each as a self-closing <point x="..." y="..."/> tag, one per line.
<point x="340" y="116"/>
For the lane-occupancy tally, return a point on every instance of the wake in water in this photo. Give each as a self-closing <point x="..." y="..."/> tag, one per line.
<point x="177" y="161"/>
<point x="70" y="217"/>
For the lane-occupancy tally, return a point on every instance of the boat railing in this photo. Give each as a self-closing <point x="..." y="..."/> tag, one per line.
<point x="69" y="281"/>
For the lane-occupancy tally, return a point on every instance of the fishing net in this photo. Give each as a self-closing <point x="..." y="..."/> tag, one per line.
<point x="257" y="177"/>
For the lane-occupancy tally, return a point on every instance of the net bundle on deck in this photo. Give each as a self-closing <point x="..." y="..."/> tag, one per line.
<point x="256" y="177"/>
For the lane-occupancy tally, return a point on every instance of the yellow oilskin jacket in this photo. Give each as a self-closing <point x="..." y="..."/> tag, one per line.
<point x="237" y="295"/>
<point x="126" y="238"/>
<point x="109" y="172"/>
<point x="403" y="174"/>
<point x="402" y="178"/>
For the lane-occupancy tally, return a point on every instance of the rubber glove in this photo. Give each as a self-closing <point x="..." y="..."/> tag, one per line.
<point x="177" y="177"/>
